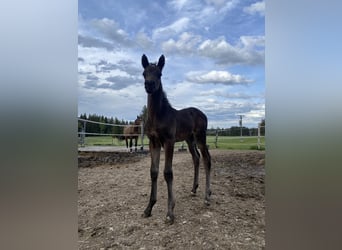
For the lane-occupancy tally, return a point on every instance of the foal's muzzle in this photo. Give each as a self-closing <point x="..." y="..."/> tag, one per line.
<point x="149" y="87"/>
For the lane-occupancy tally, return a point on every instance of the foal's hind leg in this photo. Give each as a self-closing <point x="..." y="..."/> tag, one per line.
<point x="196" y="160"/>
<point x="207" y="165"/>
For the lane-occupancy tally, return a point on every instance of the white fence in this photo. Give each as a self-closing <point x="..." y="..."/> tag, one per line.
<point x="259" y="144"/>
<point x="82" y="134"/>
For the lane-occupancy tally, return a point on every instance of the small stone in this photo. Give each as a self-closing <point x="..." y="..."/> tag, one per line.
<point x="208" y="214"/>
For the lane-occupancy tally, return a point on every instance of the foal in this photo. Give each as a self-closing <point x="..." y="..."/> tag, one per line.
<point x="165" y="126"/>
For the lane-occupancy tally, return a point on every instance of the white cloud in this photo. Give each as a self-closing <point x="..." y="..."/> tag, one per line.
<point x="224" y="113"/>
<point x="178" y="4"/>
<point x="111" y="30"/>
<point x="194" y="37"/>
<point x="249" y="50"/>
<point x="203" y="13"/>
<point x="218" y="3"/>
<point x="186" y="43"/>
<point x="112" y="103"/>
<point x="252" y="42"/>
<point x="222" y="77"/>
<point x="258" y="7"/>
<point x="106" y="33"/>
<point x="92" y="42"/>
<point x="175" y="28"/>
<point x="254" y="114"/>
<point x="222" y="5"/>
<point x="105" y="70"/>
<point x="230" y="95"/>
<point x="143" y="40"/>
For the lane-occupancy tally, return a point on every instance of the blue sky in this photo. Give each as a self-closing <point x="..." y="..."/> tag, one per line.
<point x="214" y="52"/>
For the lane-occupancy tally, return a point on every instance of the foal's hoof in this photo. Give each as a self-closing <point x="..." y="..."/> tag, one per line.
<point x="207" y="203"/>
<point x="146" y="214"/>
<point x="169" y="219"/>
<point x="193" y="193"/>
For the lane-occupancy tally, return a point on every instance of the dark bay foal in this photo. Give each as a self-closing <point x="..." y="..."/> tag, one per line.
<point x="165" y="126"/>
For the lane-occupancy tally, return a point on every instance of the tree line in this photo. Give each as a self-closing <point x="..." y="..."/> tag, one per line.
<point x="237" y="131"/>
<point x="234" y="131"/>
<point x="107" y="129"/>
<point x="101" y="128"/>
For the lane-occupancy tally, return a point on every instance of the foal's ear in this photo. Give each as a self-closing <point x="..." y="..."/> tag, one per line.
<point x="161" y="62"/>
<point x="144" y="61"/>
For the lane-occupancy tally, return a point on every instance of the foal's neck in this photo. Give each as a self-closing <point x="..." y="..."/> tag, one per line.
<point x="157" y="104"/>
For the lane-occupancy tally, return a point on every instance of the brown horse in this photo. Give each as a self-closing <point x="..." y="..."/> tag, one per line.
<point x="165" y="126"/>
<point x="132" y="132"/>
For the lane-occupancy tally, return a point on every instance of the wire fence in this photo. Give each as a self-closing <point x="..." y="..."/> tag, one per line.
<point x="102" y="139"/>
<point x="217" y="140"/>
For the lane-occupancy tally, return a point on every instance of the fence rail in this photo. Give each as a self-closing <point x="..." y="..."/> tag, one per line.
<point x="82" y="134"/>
<point x="216" y="141"/>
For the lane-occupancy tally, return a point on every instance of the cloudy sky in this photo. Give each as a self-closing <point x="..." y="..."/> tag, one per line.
<point x="214" y="52"/>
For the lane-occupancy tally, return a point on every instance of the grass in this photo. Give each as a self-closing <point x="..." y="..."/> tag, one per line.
<point x="236" y="142"/>
<point x="104" y="141"/>
<point x="223" y="142"/>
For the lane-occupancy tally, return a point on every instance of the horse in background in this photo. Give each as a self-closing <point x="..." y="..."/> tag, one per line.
<point x="132" y="132"/>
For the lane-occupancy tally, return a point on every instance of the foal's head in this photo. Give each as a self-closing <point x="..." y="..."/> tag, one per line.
<point x="152" y="73"/>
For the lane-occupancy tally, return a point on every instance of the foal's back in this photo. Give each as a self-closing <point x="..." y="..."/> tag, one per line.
<point x="190" y="122"/>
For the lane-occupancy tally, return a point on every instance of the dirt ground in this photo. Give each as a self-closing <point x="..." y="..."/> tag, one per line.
<point x="114" y="190"/>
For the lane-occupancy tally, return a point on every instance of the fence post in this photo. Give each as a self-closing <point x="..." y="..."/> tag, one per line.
<point x="259" y="125"/>
<point x="142" y="135"/>
<point x="216" y="137"/>
<point x="83" y="134"/>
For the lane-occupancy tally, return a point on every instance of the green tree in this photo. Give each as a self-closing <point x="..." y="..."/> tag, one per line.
<point x="143" y="113"/>
<point x="102" y="126"/>
<point x="262" y="127"/>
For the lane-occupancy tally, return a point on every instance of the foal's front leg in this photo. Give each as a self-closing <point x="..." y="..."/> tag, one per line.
<point x="168" y="175"/>
<point x="155" y="157"/>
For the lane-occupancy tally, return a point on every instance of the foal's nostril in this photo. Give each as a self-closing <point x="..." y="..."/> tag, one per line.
<point x="149" y="83"/>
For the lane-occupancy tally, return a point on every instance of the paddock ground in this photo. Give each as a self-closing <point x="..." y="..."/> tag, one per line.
<point x="114" y="189"/>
